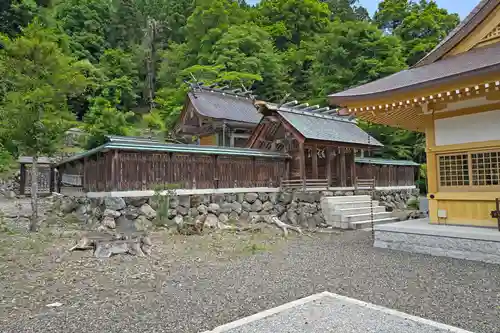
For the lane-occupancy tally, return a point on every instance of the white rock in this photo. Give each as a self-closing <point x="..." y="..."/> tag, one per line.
<point x="54" y="305"/>
<point x="211" y="221"/>
<point x="109" y="222"/>
<point x="148" y="211"/>
<point x="179" y="220"/>
<point x="112" y="213"/>
<point x="223" y="218"/>
<point x="214" y="208"/>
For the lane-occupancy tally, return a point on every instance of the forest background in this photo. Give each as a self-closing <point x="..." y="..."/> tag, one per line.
<point x="121" y="66"/>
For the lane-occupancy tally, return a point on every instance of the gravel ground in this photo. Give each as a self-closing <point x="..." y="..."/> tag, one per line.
<point x="195" y="283"/>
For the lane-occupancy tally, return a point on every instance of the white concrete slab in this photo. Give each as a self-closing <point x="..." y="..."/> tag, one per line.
<point x="327" y="312"/>
<point x="423" y="227"/>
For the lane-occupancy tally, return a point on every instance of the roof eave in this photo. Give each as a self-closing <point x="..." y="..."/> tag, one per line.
<point x="418" y="89"/>
<point x="458" y="35"/>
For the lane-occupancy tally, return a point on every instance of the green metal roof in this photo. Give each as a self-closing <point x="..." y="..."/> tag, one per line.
<point x="123" y="143"/>
<point x="371" y="160"/>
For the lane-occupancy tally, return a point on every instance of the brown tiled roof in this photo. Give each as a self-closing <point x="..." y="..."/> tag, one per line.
<point x="472" y="63"/>
<point x="476" y="16"/>
<point x="224" y="106"/>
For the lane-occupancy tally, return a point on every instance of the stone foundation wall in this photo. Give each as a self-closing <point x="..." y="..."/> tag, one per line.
<point x="295" y="208"/>
<point x="460" y="248"/>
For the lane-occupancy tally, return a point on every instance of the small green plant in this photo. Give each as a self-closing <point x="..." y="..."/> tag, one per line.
<point x="163" y="195"/>
<point x="414" y="203"/>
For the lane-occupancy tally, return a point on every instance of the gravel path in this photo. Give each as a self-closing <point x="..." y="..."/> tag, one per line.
<point x="193" y="285"/>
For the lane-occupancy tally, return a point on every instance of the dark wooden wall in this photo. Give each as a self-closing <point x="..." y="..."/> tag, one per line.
<point x="387" y="175"/>
<point x="128" y="170"/>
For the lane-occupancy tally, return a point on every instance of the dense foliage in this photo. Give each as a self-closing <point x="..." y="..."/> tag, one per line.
<point x="104" y="63"/>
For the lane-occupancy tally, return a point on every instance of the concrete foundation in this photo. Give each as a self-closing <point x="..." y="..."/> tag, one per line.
<point x="418" y="236"/>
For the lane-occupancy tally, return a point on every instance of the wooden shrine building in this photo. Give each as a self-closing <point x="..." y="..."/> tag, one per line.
<point x="321" y="144"/>
<point x="453" y="95"/>
<point x="217" y="117"/>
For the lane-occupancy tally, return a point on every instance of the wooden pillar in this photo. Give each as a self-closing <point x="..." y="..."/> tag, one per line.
<point x="314" y="156"/>
<point x="353" y="168"/>
<point x="302" y="165"/>
<point x="231" y="138"/>
<point x="328" y="157"/>
<point x="114" y="170"/>
<point x="51" y="178"/>
<point x="343" y="171"/>
<point x="254" y="173"/>
<point x="22" y="180"/>
<point x="216" y="172"/>
<point x="85" y="175"/>
<point x="59" y="179"/>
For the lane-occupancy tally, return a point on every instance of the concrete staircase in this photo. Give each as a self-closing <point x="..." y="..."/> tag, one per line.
<point x="353" y="212"/>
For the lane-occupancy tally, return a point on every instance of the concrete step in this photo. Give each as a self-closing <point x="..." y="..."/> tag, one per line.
<point x="349" y="198"/>
<point x="365" y="216"/>
<point x="346" y="205"/>
<point x="358" y="210"/>
<point x="366" y="224"/>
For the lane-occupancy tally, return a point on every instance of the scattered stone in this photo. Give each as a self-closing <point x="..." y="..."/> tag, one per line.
<point x="114" y="203"/>
<point x="193" y="212"/>
<point x="247" y="207"/>
<point x="267" y="206"/>
<point x="286" y="198"/>
<point x="202" y="209"/>
<point x="231" y="197"/>
<point x="67" y="205"/>
<point x="236" y="207"/>
<point x="225" y="208"/>
<point x="211" y="221"/>
<point x="257" y="206"/>
<point x="142" y="223"/>
<point x="251" y="197"/>
<point x="148" y="211"/>
<point x="112" y="213"/>
<point x="218" y="198"/>
<point x="136" y="201"/>
<point x="223" y="218"/>
<point x="214" y="208"/>
<point x="179" y="220"/>
<point x="125" y="225"/>
<point x="182" y="210"/>
<point x="233" y="216"/>
<point x="263" y="196"/>
<point x="184" y="200"/>
<point x="130" y="213"/>
<point x="109" y="222"/>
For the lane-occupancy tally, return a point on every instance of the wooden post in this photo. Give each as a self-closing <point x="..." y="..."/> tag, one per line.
<point x="353" y="168"/>
<point x="314" y="156"/>
<point x="22" y="180"/>
<point x="216" y="172"/>
<point x="287" y="168"/>
<point x="302" y="166"/>
<point x="328" y="154"/>
<point x="85" y="175"/>
<point x="343" y="173"/>
<point x="51" y="178"/>
<point x="254" y="173"/>
<point x="114" y="169"/>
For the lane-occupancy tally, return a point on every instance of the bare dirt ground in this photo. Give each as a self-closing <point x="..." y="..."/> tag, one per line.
<point x="194" y="283"/>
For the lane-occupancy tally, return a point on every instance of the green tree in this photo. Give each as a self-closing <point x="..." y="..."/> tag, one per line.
<point x="353" y="53"/>
<point x="347" y="10"/>
<point x="86" y="22"/>
<point x="291" y="21"/>
<point x="104" y="119"/>
<point x="34" y="109"/>
<point x="420" y="25"/>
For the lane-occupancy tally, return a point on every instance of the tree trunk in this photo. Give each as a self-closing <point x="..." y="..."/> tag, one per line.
<point x="34" y="194"/>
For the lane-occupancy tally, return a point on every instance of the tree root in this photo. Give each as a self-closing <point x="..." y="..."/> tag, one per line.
<point x="273" y="219"/>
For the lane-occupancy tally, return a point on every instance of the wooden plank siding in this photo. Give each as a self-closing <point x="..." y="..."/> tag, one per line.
<point x="138" y="170"/>
<point x="122" y="170"/>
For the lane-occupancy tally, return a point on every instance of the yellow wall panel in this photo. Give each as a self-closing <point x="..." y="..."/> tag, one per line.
<point x="466" y="212"/>
<point x="208" y="140"/>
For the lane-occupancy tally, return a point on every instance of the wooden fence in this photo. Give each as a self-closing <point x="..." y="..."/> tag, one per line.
<point x="129" y="170"/>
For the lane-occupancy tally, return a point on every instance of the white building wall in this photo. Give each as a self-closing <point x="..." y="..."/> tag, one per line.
<point x="484" y="126"/>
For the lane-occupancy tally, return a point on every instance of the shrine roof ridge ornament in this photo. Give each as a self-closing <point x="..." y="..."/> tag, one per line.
<point x="306" y="110"/>
<point x="222" y="89"/>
